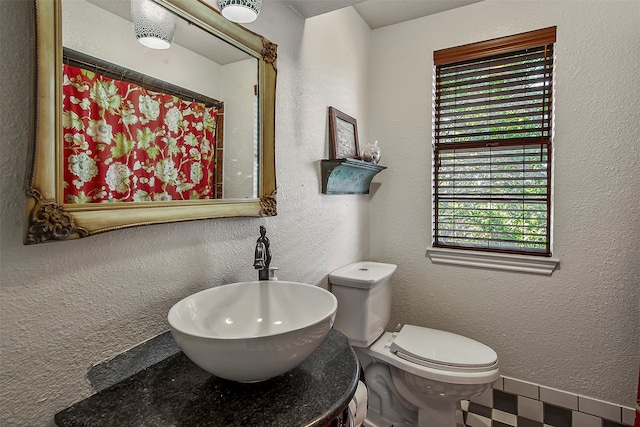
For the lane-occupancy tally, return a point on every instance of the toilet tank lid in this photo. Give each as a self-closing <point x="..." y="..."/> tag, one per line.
<point x="363" y="274"/>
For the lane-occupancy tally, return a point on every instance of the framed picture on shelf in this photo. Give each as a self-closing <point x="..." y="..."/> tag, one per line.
<point x="343" y="135"/>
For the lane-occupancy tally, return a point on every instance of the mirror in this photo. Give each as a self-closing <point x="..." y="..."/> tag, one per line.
<point x="125" y="135"/>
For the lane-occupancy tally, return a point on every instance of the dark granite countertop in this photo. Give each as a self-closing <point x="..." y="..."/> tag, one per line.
<point x="176" y="392"/>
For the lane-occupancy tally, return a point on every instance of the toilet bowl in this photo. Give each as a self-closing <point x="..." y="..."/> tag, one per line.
<point x="456" y="368"/>
<point x="416" y="376"/>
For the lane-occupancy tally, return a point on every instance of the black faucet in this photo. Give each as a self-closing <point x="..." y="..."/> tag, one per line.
<point x="263" y="255"/>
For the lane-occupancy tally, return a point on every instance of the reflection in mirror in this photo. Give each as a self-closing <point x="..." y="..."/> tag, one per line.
<point x="126" y="135"/>
<point x="142" y="124"/>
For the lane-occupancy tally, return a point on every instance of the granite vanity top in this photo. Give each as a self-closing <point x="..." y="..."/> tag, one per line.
<point x="176" y="392"/>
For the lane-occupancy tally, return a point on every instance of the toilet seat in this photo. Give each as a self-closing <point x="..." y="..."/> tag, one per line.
<point x="442" y="350"/>
<point x="381" y="350"/>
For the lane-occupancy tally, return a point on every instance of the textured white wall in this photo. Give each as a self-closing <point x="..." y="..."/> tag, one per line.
<point x="577" y="330"/>
<point x="66" y="306"/>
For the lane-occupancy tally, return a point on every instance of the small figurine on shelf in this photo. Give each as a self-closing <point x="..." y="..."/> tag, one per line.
<point x="371" y="152"/>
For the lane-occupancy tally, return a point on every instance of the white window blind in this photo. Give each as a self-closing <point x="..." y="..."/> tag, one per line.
<point x="492" y="144"/>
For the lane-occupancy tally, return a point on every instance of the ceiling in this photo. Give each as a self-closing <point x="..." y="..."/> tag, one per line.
<point x="377" y="13"/>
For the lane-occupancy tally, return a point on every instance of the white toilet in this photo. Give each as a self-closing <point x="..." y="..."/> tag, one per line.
<point x="416" y="376"/>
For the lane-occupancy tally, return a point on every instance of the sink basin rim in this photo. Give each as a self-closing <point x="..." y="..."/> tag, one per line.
<point x="198" y="295"/>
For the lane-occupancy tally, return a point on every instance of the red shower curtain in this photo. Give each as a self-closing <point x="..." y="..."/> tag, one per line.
<point x="125" y="143"/>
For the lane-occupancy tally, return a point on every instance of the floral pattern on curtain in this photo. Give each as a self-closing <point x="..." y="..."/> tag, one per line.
<point x="125" y="143"/>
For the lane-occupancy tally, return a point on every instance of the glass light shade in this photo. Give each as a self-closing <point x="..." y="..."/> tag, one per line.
<point x="240" y="11"/>
<point x="153" y="25"/>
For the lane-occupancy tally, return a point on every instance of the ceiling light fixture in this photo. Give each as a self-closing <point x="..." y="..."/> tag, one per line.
<point x="154" y="25"/>
<point x="240" y="11"/>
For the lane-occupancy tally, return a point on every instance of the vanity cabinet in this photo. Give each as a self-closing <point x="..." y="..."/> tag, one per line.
<point x="177" y="392"/>
<point x="345" y="419"/>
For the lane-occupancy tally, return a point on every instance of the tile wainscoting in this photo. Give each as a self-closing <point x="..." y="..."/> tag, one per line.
<point x="515" y="403"/>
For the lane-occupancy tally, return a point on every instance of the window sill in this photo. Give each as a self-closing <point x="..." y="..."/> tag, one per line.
<point x="497" y="261"/>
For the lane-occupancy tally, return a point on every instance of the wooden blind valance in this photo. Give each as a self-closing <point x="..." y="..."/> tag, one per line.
<point x="497" y="46"/>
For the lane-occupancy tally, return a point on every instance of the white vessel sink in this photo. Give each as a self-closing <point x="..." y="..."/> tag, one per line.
<point x="252" y="331"/>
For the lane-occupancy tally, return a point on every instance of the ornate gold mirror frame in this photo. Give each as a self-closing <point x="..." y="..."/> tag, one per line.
<point x="48" y="218"/>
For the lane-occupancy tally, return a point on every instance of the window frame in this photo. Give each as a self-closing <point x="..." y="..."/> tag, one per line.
<point x="510" y="259"/>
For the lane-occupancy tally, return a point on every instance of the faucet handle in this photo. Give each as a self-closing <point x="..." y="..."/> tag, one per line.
<point x="258" y="262"/>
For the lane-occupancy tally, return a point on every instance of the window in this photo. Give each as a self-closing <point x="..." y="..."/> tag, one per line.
<point x="492" y="145"/>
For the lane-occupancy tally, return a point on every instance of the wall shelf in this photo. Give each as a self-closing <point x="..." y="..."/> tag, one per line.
<point x="348" y="176"/>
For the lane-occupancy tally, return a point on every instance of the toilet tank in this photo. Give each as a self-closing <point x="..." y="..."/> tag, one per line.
<point x="363" y="291"/>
